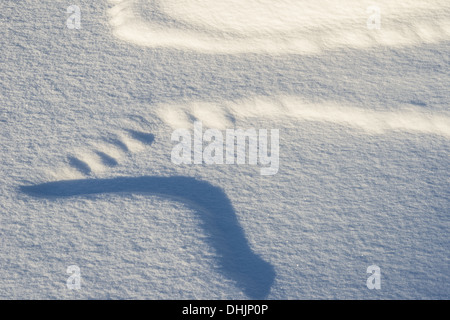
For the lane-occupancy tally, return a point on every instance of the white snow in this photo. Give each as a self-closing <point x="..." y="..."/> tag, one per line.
<point x="86" y="117"/>
<point x="277" y="27"/>
<point x="290" y="107"/>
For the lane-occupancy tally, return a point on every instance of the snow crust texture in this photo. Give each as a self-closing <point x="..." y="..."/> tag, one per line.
<point x="86" y="117"/>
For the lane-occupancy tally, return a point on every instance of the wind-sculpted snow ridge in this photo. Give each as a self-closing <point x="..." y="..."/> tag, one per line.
<point x="220" y="115"/>
<point x="254" y="275"/>
<point x="101" y="155"/>
<point x="278" y="27"/>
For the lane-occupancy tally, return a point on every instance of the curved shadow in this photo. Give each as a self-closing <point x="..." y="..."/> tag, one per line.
<point x="237" y="260"/>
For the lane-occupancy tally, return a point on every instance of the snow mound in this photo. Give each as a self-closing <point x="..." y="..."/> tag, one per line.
<point x="291" y="107"/>
<point x="278" y="27"/>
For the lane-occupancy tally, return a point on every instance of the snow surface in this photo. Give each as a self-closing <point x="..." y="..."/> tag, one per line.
<point x="86" y="118"/>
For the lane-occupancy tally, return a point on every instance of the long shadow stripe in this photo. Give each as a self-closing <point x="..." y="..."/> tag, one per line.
<point x="237" y="260"/>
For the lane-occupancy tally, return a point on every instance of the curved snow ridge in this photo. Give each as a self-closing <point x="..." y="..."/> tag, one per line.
<point x="293" y="108"/>
<point x="278" y="27"/>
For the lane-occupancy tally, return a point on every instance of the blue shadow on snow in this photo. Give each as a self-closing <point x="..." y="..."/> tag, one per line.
<point x="237" y="260"/>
